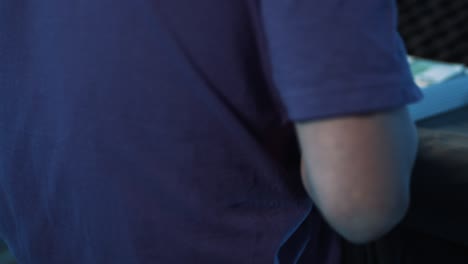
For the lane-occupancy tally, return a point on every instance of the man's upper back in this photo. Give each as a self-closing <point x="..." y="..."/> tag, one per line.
<point x="141" y="132"/>
<point x="158" y="131"/>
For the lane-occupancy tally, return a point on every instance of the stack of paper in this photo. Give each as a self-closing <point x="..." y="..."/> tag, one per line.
<point x="428" y="72"/>
<point x="445" y="87"/>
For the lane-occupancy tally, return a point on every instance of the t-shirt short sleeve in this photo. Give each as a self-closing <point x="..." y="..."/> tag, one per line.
<point x="337" y="57"/>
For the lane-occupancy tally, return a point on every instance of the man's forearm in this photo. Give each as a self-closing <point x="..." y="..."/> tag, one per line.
<point x="357" y="170"/>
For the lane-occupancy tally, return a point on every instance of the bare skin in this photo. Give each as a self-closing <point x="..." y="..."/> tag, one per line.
<point x="357" y="170"/>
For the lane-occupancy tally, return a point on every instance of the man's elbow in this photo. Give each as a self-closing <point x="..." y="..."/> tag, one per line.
<point x="361" y="223"/>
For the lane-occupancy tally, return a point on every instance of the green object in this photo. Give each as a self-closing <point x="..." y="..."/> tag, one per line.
<point x="429" y="72"/>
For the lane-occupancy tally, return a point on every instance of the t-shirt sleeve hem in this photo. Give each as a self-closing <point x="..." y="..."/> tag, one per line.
<point x="309" y="107"/>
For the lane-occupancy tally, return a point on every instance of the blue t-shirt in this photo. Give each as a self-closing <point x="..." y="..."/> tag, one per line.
<point x="146" y="131"/>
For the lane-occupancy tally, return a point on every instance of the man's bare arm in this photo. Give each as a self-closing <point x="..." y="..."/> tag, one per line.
<point x="357" y="170"/>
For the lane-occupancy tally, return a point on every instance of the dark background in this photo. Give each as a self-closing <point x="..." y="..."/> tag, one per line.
<point x="435" y="29"/>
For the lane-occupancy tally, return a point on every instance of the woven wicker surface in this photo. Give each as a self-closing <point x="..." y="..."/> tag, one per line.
<point x="435" y="29"/>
